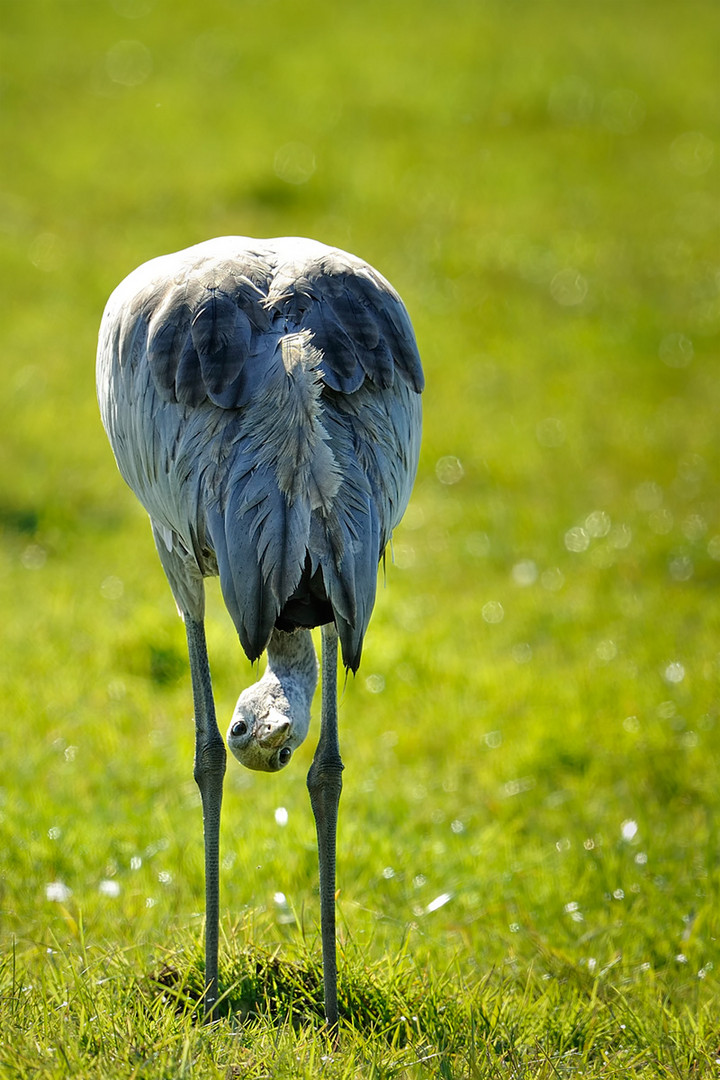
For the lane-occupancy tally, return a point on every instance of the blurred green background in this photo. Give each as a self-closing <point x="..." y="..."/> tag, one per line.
<point x="531" y="741"/>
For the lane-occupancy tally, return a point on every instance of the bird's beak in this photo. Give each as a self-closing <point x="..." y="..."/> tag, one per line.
<point x="272" y="731"/>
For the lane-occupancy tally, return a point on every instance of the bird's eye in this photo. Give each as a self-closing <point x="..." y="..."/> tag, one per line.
<point x="284" y="755"/>
<point x="239" y="728"/>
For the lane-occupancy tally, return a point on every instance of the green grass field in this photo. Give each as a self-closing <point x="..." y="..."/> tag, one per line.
<point x="528" y="849"/>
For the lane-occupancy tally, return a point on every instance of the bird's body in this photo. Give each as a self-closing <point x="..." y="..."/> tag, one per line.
<point x="262" y="401"/>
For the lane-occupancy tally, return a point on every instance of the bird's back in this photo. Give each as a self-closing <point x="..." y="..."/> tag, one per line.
<point x="262" y="400"/>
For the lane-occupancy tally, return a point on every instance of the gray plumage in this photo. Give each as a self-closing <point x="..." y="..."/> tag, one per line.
<point x="262" y="400"/>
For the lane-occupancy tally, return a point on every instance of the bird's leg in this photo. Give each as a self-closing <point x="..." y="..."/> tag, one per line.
<point x="324" y="783"/>
<point x="210" y="757"/>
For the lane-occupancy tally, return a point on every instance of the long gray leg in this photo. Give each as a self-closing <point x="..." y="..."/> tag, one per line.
<point x="324" y="783"/>
<point x="210" y="757"/>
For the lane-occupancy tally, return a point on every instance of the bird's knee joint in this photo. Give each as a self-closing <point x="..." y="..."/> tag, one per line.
<point x="210" y="760"/>
<point x="324" y="776"/>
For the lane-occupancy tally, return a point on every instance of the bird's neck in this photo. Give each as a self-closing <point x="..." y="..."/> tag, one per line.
<point x="293" y="663"/>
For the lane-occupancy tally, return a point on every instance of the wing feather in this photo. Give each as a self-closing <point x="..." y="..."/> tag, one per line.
<point x="167" y="334"/>
<point x="358" y="321"/>
<point x="189" y="385"/>
<point x="227" y="318"/>
<point x="339" y="352"/>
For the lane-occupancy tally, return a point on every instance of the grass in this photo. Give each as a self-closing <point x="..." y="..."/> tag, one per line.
<point x="528" y="860"/>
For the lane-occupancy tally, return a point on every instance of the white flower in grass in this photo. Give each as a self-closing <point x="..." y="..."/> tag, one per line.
<point x="57" y="892"/>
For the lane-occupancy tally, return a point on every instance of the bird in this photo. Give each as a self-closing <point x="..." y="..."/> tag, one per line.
<point x="262" y="398"/>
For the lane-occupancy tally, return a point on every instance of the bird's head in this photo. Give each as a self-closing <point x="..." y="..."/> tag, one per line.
<point x="266" y="728"/>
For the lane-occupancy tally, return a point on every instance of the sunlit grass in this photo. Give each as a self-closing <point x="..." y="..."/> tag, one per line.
<point x="528" y="855"/>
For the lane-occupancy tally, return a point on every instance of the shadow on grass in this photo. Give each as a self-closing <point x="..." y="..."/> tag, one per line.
<point x="396" y="1005"/>
<point x="460" y="1023"/>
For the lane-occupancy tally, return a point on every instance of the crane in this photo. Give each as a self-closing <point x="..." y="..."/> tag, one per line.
<point x="262" y="400"/>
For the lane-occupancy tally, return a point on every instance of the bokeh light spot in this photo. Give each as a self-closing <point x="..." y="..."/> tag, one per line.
<point x="449" y="470"/>
<point x="676" y="350"/>
<point x="692" y="153"/>
<point x="568" y="287"/>
<point x="128" y="63"/>
<point x="294" y="163"/>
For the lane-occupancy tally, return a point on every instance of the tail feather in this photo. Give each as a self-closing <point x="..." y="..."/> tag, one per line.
<point x="278" y="530"/>
<point x="281" y="468"/>
<point x="251" y="604"/>
<point x="346" y="547"/>
<point x="280" y="514"/>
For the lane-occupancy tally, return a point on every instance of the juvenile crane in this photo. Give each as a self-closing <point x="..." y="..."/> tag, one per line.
<point x="262" y="400"/>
